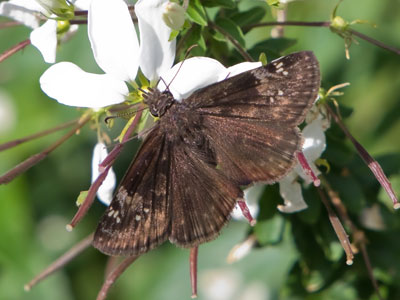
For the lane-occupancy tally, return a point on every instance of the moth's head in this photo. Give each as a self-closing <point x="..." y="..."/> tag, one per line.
<point x="158" y="102"/>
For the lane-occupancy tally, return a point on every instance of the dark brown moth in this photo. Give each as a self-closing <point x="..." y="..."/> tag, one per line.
<point x="187" y="176"/>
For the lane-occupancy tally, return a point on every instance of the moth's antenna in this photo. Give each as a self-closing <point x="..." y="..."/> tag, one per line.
<point x="176" y="74"/>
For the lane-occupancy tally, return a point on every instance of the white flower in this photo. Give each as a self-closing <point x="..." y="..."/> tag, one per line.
<point x="31" y="13"/>
<point x="116" y="50"/>
<point x="105" y="192"/>
<point x="314" y="145"/>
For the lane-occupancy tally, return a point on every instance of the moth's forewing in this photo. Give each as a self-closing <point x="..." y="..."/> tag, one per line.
<point x="139" y="216"/>
<point x="280" y="93"/>
<point x="251" y="119"/>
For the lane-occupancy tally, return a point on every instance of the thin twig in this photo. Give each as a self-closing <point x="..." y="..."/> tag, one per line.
<point x="6" y="54"/>
<point x="193" y="270"/>
<point x="17" y="142"/>
<point x="359" y="238"/>
<point x="374" y="166"/>
<point x="338" y="227"/>
<point x="9" y="24"/>
<point x="61" y="261"/>
<point x="87" y="203"/>
<point x="234" y="42"/>
<point x="325" y="24"/>
<point x="33" y="160"/>
<point x="375" y="42"/>
<point x="288" y="23"/>
<point x="113" y="276"/>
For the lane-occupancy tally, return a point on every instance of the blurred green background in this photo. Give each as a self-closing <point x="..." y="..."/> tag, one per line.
<point x="35" y="207"/>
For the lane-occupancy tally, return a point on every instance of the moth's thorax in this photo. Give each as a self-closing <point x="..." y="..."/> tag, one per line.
<point x="158" y="102"/>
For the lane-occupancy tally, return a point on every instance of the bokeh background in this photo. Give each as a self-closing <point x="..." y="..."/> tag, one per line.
<point x="35" y="207"/>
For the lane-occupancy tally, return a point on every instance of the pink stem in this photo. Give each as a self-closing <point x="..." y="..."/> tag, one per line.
<point x="246" y="212"/>
<point x="307" y="169"/>
<point x="193" y="270"/>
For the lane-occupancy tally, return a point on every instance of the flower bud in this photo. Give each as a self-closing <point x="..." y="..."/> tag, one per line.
<point x="173" y="15"/>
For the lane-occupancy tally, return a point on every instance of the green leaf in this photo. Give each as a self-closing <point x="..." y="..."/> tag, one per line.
<point x="251" y="16"/>
<point x="196" y="13"/>
<point x="218" y="36"/>
<point x="232" y="28"/>
<point x="173" y="35"/>
<point x="263" y="58"/>
<point x="273" y="47"/>
<point x="350" y="191"/>
<point x="274" y="3"/>
<point x="312" y="214"/>
<point x="82" y="196"/>
<point x="270" y="231"/>
<point x="196" y="38"/>
<point x="222" y="3"/>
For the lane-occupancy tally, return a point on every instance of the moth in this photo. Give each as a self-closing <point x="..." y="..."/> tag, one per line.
<point x="190" y="169"/>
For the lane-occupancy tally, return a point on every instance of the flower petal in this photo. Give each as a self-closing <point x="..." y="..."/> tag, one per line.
<point x="72" y="86"/>
<point x="314" y="140"/>
<point x="105" y="192"/>
<point x="157" y="54"/>
<point x="44" y="39"/>
<point x="251" y="196"/>
<point x="243" y="67"/>
<point x="81" y="4"/>
<point x="290" y="191"/>
<point x="195" y="73"/>
<point x="22" y="11"/>
<point x="113" y="38"/>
